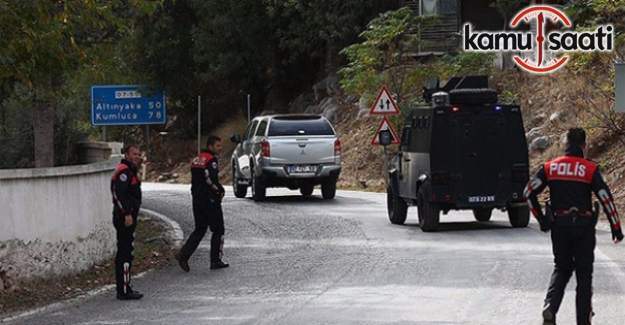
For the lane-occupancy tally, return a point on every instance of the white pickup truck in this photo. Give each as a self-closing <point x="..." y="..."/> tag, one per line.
<point x="294" y="151"/>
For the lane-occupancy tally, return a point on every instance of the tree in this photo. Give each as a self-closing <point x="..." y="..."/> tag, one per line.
<point x="507" y="8"/>
<point x="45" y="42"/>
<point x="381" y="52"/>
<point x="380" y="59"/>
<point x="271" y="49"/>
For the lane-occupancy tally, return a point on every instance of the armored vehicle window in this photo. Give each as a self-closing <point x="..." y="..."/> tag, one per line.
<point x="417" y="134"/>
<point x="405" y="137"/>
<point x="299" y="126"/>
<point x="261" y="128"/>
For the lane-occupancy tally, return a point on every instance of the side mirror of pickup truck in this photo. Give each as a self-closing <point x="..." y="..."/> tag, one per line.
<point x="235" y="138"/>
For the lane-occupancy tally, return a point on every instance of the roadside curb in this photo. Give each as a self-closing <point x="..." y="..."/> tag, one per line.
<point x="175" y="233"/>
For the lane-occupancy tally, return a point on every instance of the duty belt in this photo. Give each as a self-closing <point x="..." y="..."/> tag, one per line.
<point x="573" y="212"/>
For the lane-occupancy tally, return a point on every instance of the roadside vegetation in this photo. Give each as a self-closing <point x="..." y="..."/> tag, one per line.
<point x="582" y="94"/>
<point x="283" y="54"/>
<point x="52" y="52"/>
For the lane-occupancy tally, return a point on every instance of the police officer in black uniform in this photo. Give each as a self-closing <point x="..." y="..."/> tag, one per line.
<point x="207" y="194"/>
<point x="571" y="219"/>
<point x="126" y="192"/>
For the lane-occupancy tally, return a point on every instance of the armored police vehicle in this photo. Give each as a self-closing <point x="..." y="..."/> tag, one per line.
<point x="464" y="151"/>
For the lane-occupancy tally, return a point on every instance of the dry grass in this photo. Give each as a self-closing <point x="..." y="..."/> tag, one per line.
<point x="582" y="105"/>
<point x="175" y="155"/>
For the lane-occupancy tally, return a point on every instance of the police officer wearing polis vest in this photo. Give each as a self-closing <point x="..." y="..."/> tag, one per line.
<point x="207" y="194"/>
<point x="571" y="219"/>
<point x="126" y="192"/>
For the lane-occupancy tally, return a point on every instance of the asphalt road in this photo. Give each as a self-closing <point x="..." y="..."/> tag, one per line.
<point x="310" y="261"/>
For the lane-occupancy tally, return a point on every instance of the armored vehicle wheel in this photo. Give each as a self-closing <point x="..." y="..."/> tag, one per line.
<point x="482" y="214"/>
<point x="258" y="188"/>
<point x="519" y="216"/>
<point x="240" y="191"/>
<point x="429" y="214"/>
<point x="328" y="190"/>
<point x="473" y="96"/>
<point x="306" y="190"/>
<point x="396" y="207"/>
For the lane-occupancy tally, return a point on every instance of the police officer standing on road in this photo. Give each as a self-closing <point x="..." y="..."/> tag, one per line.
<point x="207" y="194"/>
<point x="126" y="191"/>
<point x="571" y="219"/>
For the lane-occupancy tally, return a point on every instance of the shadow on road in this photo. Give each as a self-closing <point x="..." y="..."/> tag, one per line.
<point x="467" y="225"/>
<point x="313" y="199"/>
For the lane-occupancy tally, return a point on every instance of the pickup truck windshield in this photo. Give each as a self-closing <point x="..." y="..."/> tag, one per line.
<point x="305" y="126"/>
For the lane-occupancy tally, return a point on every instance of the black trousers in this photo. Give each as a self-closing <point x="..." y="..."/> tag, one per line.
<point x="207" y="214"/>
<point x="573" y="250"/>
<point x="123" y="258"/>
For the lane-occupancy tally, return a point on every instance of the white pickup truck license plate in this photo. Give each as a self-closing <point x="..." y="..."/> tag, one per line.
<point x="301" y="169"/>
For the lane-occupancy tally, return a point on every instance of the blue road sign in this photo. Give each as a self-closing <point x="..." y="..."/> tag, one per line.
<point x="127" y="105"/>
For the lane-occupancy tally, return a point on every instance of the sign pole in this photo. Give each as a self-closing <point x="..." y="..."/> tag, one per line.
<point x="147" y="138"/>
<point x="248" y="107"/>
<point x="104" y="133"/>
<point x="385" y="166"/>
<point x="199" y="123"/>
<point x="385" y="105"/>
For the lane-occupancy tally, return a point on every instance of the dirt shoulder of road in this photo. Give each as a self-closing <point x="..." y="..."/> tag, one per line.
<point x="153" y="250"/>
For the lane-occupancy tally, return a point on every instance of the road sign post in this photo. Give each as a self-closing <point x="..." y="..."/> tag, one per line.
<point x="199" y="124"/>
<point x="386" y="138"/>
<point x="249" y="106"/>
<point x="385" y="135"/>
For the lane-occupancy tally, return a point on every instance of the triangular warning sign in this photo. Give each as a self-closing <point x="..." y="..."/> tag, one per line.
<point x="385" y="125"/>
<point x="384" y="104"/>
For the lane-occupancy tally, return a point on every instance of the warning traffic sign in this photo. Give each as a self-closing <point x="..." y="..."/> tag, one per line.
<point x="385" y="125"/>
<point x="384" y="104"/>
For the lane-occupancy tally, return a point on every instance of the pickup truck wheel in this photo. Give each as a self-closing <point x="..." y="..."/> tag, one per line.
<point x="240" y="191"/>
<point x="482" y="214"/>
<point x="396" y="207"/>
<point x="306" y="190"/>
<point x="258" y="188"/>
<point x="429" y="214"/>
<point x="328" y="190"/>
<point x="519" y="216"/>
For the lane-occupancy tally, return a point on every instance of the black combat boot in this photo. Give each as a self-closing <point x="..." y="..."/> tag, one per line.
<point x="182" y="262"/>
<point x="219" y="264"/>
<point x="130" y="295"/>
<point x="549" y="318"/>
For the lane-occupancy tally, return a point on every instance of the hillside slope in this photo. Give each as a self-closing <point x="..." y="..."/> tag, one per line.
<point x="550" y="104"/>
